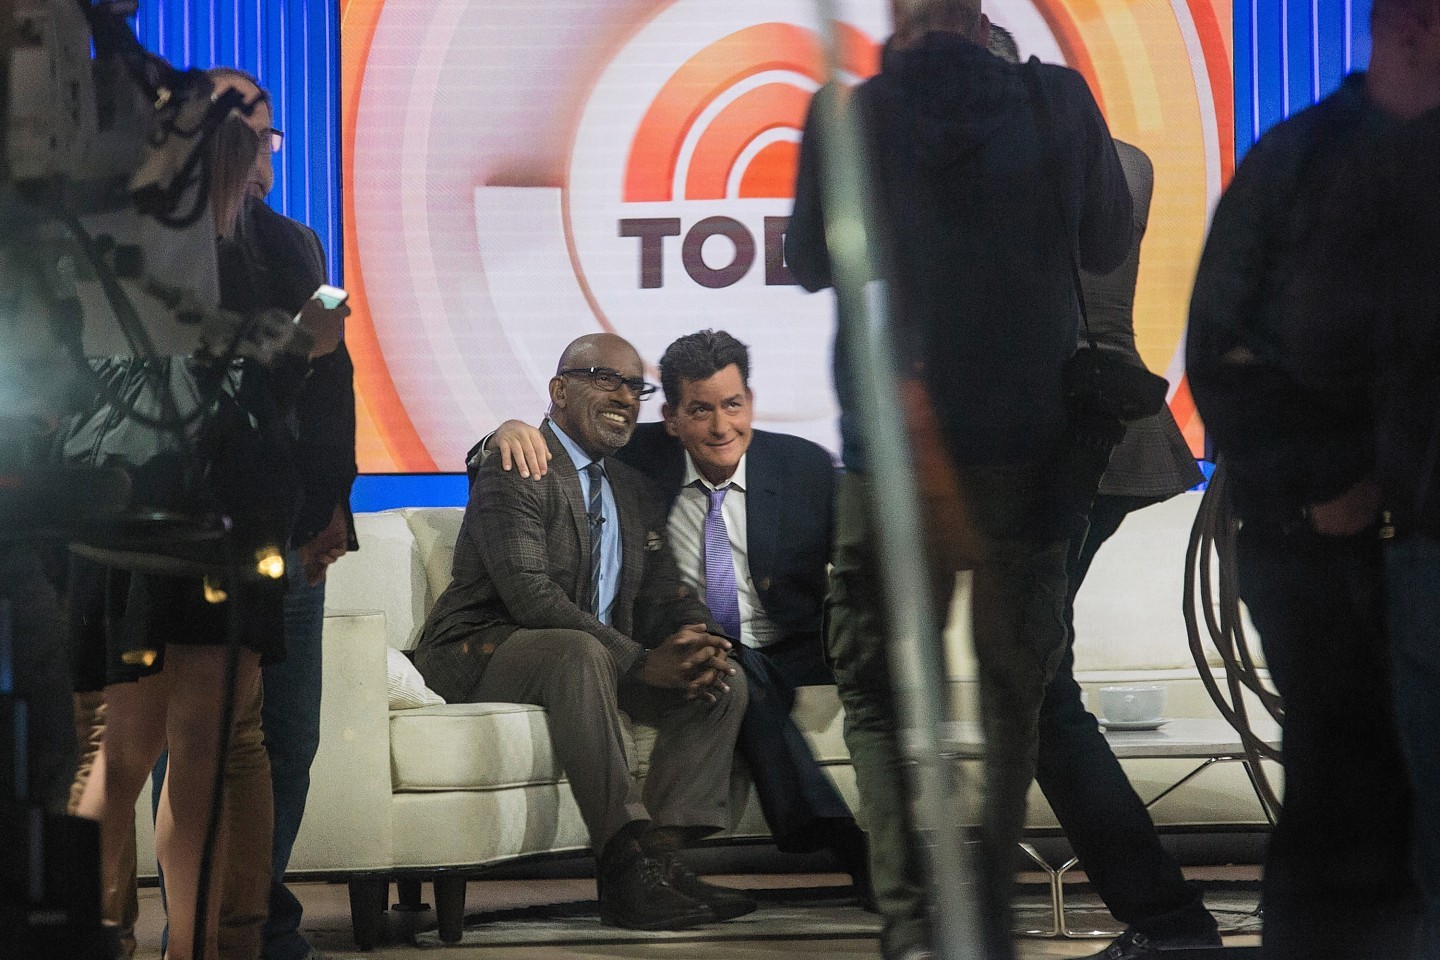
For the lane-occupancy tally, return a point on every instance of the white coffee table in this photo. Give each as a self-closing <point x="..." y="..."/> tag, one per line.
<point x="1185" y="738"/>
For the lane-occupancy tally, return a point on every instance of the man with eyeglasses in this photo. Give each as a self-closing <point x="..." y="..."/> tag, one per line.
<point x="751" y="521"/>
<point x="564" y="594"/>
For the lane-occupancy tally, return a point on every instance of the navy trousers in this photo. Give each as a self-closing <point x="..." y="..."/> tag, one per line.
<point x="800" y="803"/>
<point x="291" y="716"/>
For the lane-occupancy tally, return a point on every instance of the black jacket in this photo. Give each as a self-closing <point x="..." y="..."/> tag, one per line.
<point x="1364" y="319"/>
<point x="280" y="263"/>
<point x="970" y="192"/>
<point x="1408" y="441"/>
<point x="1294" y="428"/>
<point x="789" y="510"/>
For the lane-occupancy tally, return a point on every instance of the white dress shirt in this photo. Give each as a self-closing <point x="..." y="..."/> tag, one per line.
<point x="687" y="541"/>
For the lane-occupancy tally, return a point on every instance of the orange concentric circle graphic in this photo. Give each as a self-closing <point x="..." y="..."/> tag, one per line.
<point x="517" y="175"/>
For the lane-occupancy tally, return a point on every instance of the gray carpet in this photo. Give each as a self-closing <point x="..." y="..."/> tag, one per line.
<point x="791" y="914"/>
<point x="803" y="914"/>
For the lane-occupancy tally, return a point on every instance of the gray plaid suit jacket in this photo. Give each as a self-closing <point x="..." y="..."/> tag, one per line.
<point x="522" y="561"/>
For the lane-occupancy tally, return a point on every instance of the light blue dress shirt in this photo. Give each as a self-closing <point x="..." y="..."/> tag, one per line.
<point x="610" y="555"/>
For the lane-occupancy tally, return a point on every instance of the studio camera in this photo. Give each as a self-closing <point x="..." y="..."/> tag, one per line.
<point x="107" y="255"/>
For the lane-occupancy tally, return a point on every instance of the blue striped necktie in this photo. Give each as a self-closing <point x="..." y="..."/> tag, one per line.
<point x="721" y="595"/>
<point x="595" y="513"/>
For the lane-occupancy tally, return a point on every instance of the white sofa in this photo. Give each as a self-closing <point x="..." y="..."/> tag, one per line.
<point x="442" y="792"/>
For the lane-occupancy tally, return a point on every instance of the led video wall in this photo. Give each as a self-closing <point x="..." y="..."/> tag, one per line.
<point x="521" y="172"/>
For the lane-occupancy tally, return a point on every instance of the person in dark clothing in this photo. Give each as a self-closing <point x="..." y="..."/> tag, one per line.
<point x="1102" y="816"/>
<point x="977" y="231"/>
<point x="289" y="266"/>
<point x="1297" y="438"/>
<point x="253" y="475"/>
<point x="169" y="699"/>
<point x="1408" y="438"/>
<point x="1364" y="324"/>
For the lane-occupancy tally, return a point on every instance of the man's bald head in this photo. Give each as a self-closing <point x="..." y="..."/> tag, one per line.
<point x="583" y="351"/>
<point x="600" y="420"/>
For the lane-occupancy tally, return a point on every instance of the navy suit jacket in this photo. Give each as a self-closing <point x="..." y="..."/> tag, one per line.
<point x="790" y="516"/>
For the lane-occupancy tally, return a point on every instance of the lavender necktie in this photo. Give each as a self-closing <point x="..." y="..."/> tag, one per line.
<point x="720" y="593"/>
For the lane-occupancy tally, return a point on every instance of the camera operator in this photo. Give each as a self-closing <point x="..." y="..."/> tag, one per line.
<point x="254" y="470"/>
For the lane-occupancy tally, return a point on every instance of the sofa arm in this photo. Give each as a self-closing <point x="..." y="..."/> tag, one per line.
<point x="347" y="823"/>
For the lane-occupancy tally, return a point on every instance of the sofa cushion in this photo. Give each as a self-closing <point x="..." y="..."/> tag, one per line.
<point x="385" y="574"/>
<point x="475" y="746"/>
<point x="458" y="828"/>
<point x="436" y="529"/>
<point x="470" y="746"/>
<point x="406" y="687"/>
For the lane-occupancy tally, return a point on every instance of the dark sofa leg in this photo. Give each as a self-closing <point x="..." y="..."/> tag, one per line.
<point x="450" y="907"/>
<point x="409" y="893"/>
<point x="367" y="909"/>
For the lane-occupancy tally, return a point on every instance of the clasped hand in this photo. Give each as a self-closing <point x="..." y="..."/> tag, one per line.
<point x="691" y="660"/>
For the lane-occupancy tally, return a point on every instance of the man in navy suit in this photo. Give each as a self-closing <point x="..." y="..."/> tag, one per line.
<point x="751" y="522"/>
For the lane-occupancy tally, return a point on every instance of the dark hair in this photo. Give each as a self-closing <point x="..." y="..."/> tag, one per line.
<point x="699" y="356"/>
<point x="235" y="73"/>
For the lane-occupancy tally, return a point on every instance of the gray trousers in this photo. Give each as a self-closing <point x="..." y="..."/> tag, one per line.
<point x="570" y="674"/>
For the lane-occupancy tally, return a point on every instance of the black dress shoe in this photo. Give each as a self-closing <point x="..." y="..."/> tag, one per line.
<point x="1134" y="945"/>
<point x="635" y="894"/>
<point x="724" y="902"/>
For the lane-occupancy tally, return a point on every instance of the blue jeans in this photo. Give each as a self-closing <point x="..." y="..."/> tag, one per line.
<point x="1412" y="580"/>
<point x="291" y="719"/>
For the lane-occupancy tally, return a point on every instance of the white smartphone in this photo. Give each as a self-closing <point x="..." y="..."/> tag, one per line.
<point x="329" y="297"/>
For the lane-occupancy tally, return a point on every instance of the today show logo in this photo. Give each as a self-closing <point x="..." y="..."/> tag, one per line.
<point x="682" y="173"/>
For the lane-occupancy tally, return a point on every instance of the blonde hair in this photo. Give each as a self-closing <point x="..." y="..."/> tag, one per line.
<point x="234" y="147"/>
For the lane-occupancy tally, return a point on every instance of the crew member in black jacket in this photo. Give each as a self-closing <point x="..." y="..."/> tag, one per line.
<point x="1281" y="374"/>
<point x="981" y="204"/>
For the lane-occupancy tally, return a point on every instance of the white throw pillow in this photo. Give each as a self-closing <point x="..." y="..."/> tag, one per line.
<point x="407" y="687"/>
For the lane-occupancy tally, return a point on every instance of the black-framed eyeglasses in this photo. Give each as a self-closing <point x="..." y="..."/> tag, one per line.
<point x="609" y="380"/>
<point x="277" y="138"/>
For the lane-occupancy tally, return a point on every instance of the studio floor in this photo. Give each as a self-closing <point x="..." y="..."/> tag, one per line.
<point x="802" y="915"/>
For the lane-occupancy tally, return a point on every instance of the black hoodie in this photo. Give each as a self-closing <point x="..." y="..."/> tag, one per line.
<point x="970" y="194"/>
